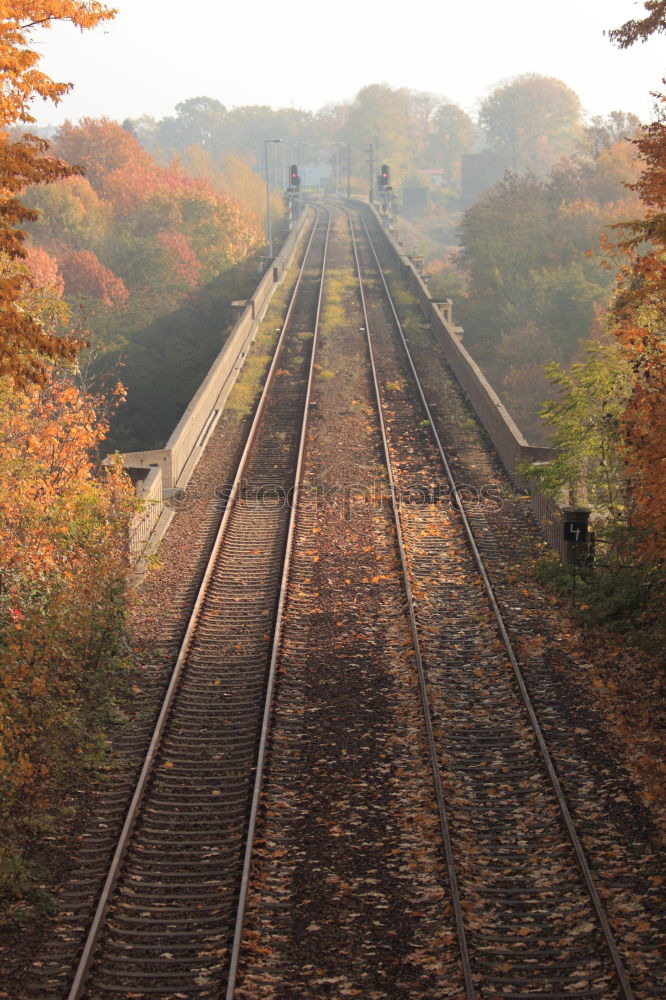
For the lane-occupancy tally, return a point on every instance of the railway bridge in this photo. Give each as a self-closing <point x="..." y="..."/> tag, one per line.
<point x="363" y="760"/>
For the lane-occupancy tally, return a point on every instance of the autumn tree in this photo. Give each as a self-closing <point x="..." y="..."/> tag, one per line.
<point x="452" y="135"/>
<point x="198" y="121"/>
<point x="602" y="132"/>
<point x="609" y="421"/>
<point x="99" y="146"/>
<point x="585" y="417"/>
<point x="640" y="315"/>
<point x="537" y="285"/>
<point x="63" y="523"/>
<point x="532" y="121"/>
<point x="639" y="312"/>
<point x="380" y="115"/>
<point x="85" y="275"/>
<point x="69" y="213"/>
<point x="26" y="347"/>
<point x="63" y="574"/>
<point x="241" y="184"/>
<point x="63" y="533"/>
<point x="133" y="239"/>
<point x="640" y="30"/>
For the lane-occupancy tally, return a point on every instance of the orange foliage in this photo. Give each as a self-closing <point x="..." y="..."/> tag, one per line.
<point x="46" y="436"/>
<point x="25" y="347"/>
<point x="644" y="429"/>
<point x="63" y="534"/>
<point x="100" y="146"/>
<point x="639" y="30"/>
<point x="640" y="314"/>
<point x="184" y="261"/>
<point x="20" y="80"/>
<point x="126" y="188"/>
<point x="85" y="275"/>
<point x="142" y="204"/>
<point x="44" y="270"/>
<point x="63" y="527"/>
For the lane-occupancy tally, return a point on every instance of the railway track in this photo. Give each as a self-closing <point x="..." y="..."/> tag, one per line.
<point x="507" y="905"/>
<point x="164" y="919"/>
<point x="529" y="916"/>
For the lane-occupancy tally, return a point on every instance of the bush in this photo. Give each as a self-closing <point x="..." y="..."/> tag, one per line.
<point x="63" y="539"/>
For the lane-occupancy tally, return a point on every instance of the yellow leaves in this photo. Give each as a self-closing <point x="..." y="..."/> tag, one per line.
<point x="47" y="478"/>
<point x="18" y="23"/>
<point x="27" y="344"/>
<point x="63" y="539"/>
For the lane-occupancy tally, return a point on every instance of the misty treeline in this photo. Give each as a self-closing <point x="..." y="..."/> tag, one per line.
<point x="167" y="206"/>
<point x="524" y="225"/>
<point x="528" y="123"/>
<point x="164" y="228"/>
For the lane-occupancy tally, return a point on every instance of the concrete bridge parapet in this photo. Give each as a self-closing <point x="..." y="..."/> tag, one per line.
<point x="172" y="466"/>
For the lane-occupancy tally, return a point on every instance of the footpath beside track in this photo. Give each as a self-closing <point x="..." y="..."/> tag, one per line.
<point x="410" y="836"/>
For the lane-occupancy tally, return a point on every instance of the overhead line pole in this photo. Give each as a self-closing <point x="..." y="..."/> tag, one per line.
<point x="268" y="200"/>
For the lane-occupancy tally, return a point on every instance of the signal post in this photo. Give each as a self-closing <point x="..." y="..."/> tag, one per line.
<point x="385" y="195"/>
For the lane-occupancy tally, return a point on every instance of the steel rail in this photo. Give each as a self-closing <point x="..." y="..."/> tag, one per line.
<point x="87" y="954"/>
<point x="598" y="906"/>
<point x="470" y="989"/>
<point x="277" y="639"/>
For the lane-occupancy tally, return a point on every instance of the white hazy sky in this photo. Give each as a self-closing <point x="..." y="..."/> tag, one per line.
<point x="282" y="53"/>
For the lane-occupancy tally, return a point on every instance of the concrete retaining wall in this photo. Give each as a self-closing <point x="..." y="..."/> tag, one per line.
<point x="170" y="468"/>
<point x="149" y="490"/>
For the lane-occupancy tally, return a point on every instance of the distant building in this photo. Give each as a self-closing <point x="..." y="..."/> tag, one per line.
<point x="480" y="171"/>
<point x="414" y="200"/>
<point x="435" y="176"/>
<point x="316" y="175"/>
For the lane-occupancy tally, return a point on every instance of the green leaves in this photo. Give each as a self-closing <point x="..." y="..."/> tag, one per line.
<point x="585" y="417"/>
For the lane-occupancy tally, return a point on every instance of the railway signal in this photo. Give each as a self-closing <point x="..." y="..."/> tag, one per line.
<point x="294" y="179"/>
<point x="384" y="178"/>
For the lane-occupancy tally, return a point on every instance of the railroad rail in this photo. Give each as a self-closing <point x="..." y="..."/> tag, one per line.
<point x="529" y="917"/>
<point x="168" y="905"/>
<point x="171" y="920"/>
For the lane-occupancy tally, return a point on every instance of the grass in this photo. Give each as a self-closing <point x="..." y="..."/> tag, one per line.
<point x="247" y="388"/>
